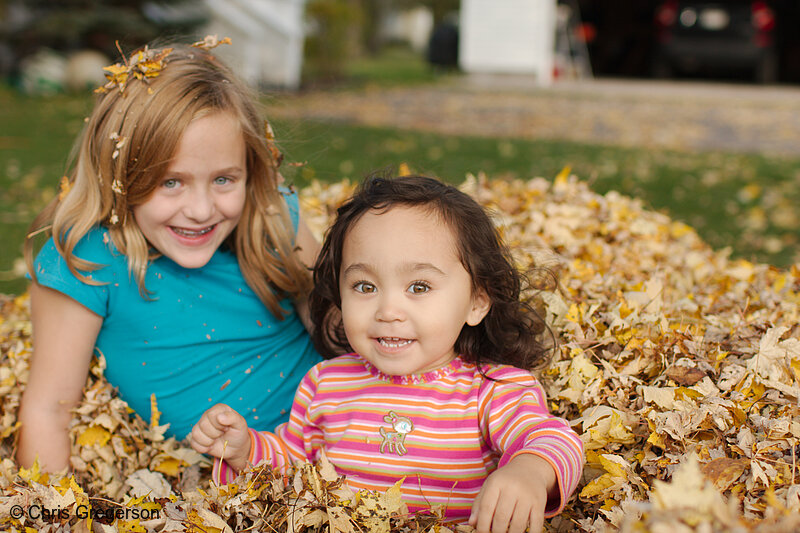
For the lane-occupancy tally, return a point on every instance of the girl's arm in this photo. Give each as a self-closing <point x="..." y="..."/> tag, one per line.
<point x="308" y="248"/>
<point x="514" y="497"/>
<point x="222" y="433"/>
<point x="533" y="442"/>
<point x="237" y="445"/>
<point x="64" y="337"/>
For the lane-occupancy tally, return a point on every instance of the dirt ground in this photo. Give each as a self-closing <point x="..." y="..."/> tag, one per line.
<point x="681" y="115"/>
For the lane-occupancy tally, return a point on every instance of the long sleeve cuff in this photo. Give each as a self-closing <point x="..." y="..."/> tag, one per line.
<point x="223" y="473"/>
<point x="566" y="461"/>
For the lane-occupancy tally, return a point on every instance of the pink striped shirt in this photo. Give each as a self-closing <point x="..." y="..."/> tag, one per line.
<point x="444" y="431"/>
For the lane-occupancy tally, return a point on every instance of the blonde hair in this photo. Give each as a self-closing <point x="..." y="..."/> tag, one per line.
<point x="123" y="154"/>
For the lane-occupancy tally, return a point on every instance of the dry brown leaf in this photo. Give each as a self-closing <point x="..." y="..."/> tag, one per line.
<point x="667" y="349"/>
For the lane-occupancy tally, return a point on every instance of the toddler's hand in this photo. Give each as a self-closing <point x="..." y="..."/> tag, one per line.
<point x="514" y="497"/>
<point x="222" y="432"/>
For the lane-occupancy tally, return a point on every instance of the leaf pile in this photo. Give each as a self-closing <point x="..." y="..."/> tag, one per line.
<point x="677" y="365"/>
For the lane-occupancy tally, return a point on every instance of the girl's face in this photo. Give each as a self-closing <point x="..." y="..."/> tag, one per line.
<point x="405" y="294"/>
<point x="201" y="197"/>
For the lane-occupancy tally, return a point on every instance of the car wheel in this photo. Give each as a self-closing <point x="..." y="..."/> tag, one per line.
<point x="662" y="69"/>
<point x="767" y="69"/>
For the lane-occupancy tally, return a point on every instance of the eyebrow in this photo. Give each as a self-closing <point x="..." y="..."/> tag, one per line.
<point x="227" y="170"/>
<point x="404" y="267"/>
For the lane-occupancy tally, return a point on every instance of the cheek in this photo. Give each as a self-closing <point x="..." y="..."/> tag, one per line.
<point x="354" y="314"/>
<point x="233" y="206"/>
<point x="146" y="215"/>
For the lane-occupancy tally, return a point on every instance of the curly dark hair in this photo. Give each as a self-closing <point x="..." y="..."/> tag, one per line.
<point x="511" y="331"/>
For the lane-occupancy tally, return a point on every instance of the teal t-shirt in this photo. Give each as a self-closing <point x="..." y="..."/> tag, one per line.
<point x="203" y="338"/>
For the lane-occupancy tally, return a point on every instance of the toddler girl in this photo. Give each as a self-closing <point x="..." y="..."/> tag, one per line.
<point x="174" y="254"/>
<point x="414" y="280"/>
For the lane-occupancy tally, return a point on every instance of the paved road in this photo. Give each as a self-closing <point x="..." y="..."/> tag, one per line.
<point x="680" y="115"/>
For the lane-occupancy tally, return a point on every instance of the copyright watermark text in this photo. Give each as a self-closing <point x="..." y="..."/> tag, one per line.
<point x="107" y="515"/>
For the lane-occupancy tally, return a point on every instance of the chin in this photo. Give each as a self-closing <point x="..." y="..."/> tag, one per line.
<point x="191" y="262"/>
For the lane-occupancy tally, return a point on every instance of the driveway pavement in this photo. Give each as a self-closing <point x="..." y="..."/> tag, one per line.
<point x="682" y="115"/>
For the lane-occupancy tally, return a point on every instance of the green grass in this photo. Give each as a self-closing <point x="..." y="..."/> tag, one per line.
<point x="394" y="66"/>
<point x="743" y="201"/>
<point x="35" y="142"/>
<point x="738" y="200"/>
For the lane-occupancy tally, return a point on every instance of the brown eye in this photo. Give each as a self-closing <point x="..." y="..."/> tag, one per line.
<point x="364" y="287"/>
<point x="419" y="287"/>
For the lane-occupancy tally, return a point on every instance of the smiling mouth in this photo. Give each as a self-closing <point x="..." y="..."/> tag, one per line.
<point x="183" y="232"/>
<point x="394" y="342"/>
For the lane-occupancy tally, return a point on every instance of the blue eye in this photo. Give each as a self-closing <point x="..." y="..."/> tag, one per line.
<point x="419" y="287"/>
<point x="170" y="183"/>
<point x="364" y="287"/>
<point x="222" y="180"/>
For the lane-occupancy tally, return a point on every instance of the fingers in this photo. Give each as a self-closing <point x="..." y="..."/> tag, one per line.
<point x="535" y="521"/>
<point x="500" y="508"/>
<point x="221" y="417"/>
<point x="214" y="423"/>
<point x="483" y="508"/>
<point x="503" y="516"/>
<point x="508" y="516"/>
<point x="519" y="521"/>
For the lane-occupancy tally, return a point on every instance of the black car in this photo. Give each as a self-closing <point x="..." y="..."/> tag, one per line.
<point x="706" y="36"/>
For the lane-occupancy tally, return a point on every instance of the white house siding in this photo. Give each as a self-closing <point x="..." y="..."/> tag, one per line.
<point x="508" y="36"/>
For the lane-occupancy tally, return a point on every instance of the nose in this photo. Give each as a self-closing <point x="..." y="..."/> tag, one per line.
<point x="390" y="308"/>
<point x="199" y="204"/>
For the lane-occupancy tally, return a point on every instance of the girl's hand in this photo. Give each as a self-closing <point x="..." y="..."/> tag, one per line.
<point x="222" y="433"/>
<point x="514" y="497"/>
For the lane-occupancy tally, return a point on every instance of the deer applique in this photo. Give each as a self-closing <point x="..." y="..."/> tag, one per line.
<point x="395" y="439"/>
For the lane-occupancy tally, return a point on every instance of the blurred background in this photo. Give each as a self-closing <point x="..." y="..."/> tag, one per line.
<point x="692" y="106"/>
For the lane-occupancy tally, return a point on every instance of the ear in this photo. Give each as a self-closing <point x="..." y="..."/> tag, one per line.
<point x="480" y="306"/>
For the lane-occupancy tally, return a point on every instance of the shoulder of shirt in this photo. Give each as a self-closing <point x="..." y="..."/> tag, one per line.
<point x="507" y="373"/>
<point x="341" y="362"/>
<point x="96" y="247"/>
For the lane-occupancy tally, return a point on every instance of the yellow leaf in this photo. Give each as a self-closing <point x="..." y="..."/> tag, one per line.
<point x="94" y="435"/>
<point x="155" y="414"/>
<point x="393" y="499"/>
<point x="34" y="473"/>
<point x="656" y="440"/>
<point x="574" y="314"/>
<point x="598" y="486"/>
<point x="610" y="503"/>
<point x="63" y="187"/>
<point x="679" y="229"/>
<point x="682" y="393"/>
<point x="561" y="177"/>
<point x="116" y="70"/>
<point x="403" y="169"/>
<point x="136" y="501"/>
<point x="204" y="521"/>
<point x="9" y="430"/>
<point x="132" y="526"/>
<point x="68" y="483"/>
<point x="170" y="466"/>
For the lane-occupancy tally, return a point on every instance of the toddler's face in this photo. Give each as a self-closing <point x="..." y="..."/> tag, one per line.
<point x="405" y="293"/>
<point x="201" y="197"/>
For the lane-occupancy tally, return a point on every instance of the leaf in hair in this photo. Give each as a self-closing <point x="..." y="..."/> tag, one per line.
<point x="63" y="188"/>
<point x="146" y="63"/>
<point x="211" y="41"/>
<point x="269" y="136"/>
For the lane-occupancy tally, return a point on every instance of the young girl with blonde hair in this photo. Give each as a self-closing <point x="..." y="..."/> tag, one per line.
<point x="414" y="280"/>
<point x="175" y="255"/>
